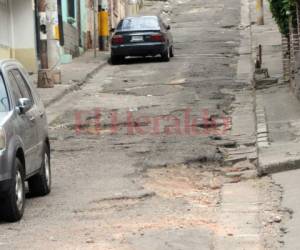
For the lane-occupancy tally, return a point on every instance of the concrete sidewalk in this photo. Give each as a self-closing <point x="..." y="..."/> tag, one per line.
<point x="74" y="75"/>
<point x="269" y="37"/>
<point x="277" y="110"/>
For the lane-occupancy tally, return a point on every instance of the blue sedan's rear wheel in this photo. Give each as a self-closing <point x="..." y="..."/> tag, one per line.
<point x="171" y="51"/>
<point x="166" y="55"/>
<point x="116" y="59"/>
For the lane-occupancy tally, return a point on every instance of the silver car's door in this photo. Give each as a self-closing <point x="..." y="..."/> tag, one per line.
<point x="42" y="126"/>
<point x="25" y="123"/>
<point x="41" y="120"/>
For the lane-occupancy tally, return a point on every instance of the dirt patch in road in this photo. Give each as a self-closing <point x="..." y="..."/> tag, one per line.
<point x="189" y="183"/>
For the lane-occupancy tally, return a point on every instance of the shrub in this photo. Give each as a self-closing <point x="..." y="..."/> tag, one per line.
<point x="282" y="10"/>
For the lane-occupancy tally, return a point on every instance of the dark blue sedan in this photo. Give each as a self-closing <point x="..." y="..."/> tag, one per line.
<point x="141" y="36"/>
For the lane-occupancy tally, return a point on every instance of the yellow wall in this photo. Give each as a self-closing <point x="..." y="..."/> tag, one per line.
<point x="26" y="57"/>
<point x="4" y="53"/>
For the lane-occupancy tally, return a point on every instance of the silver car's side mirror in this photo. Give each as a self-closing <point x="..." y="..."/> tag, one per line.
<point x="168" y="27"/>
<point x="23" y="105"/>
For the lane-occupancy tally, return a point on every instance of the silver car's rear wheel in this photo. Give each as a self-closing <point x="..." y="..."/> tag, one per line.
<point x="40" y="184"/>
<point x="166" y="55"/>
<point x="47" y="170"/>
<point x="19" y="190"/>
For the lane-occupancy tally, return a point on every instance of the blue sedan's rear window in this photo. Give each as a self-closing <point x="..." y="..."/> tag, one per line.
<point x="139" y="23"/>
<point x="4" y="102"/>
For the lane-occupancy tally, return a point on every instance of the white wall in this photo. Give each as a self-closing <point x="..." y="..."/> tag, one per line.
<point x="4" y="24"/>
<point x="23" y="24"/>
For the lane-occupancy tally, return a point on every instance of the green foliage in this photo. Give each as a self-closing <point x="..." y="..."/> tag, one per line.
<point x="282" y="10"/>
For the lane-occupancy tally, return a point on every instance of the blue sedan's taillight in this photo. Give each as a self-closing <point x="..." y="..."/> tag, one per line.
<point x="117" y="39"/>
<point x="157" y="38"/>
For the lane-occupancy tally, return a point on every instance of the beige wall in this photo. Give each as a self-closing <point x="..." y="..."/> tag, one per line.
<point x="5" y="53"/>
<point x="117" y="11"/>
<point x="27" y="57"/>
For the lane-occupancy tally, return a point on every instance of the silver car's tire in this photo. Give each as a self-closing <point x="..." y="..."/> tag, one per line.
<point x="40" y="184"/>
<point x="12" y="207"/>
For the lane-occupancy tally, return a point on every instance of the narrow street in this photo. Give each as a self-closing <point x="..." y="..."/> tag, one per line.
<point x="137" y="158"/>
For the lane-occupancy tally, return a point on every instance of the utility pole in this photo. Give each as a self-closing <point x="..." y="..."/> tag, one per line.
<point x="103" y="25"/>
<point x="95" y="11"/>
<point x="260" y="12"/>
<point x="44" y="75"/>
<point x="60" y="23"/>
<point x="43" y="33"/>
<point x="78" y="16"/>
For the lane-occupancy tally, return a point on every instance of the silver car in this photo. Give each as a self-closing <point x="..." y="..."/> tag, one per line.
<point x="24" y="141"/>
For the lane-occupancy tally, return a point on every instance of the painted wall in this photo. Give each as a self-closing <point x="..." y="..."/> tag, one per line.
<point x="64" y="7"/>
<point x="53" y="44"/>
<point x="17" y="36"/>
<point x="23" y="33"/>
<point x="5" y="37"/>
<point x="71" y="32"/>
<point x="133" y="7"/>
<point x="118" y="10"/>
<point x="83" y="10"/>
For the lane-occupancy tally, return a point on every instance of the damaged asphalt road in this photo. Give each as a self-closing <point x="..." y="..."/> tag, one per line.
<point x="136" y="151"/>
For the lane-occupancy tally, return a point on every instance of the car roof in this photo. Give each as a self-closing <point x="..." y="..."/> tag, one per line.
<point x="7" y="61"/>
<point x="131" y="17"/>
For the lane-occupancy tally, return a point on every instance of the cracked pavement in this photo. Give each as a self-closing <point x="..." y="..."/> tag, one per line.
<point x="127" y="171"/>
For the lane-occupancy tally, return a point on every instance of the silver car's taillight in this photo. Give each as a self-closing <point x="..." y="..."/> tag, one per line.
<point x="2" y="139"/>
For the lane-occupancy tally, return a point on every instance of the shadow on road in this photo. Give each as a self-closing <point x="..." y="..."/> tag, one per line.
<point x="138" y="60"/>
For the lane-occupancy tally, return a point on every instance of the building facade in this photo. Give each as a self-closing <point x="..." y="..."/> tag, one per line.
<point x="71" y="35"/>
<point x="69" y="28"/>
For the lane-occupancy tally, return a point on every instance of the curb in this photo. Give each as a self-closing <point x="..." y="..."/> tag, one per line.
<point x="280" y="167"/>
<point x="75" y="86"/>
<point x="262" y="137"/>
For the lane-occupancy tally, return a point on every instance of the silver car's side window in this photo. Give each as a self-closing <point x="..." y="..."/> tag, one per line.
<point x="23" y="86"/>
<point x="16" y="93"/>
<point x="4" y="101"/>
